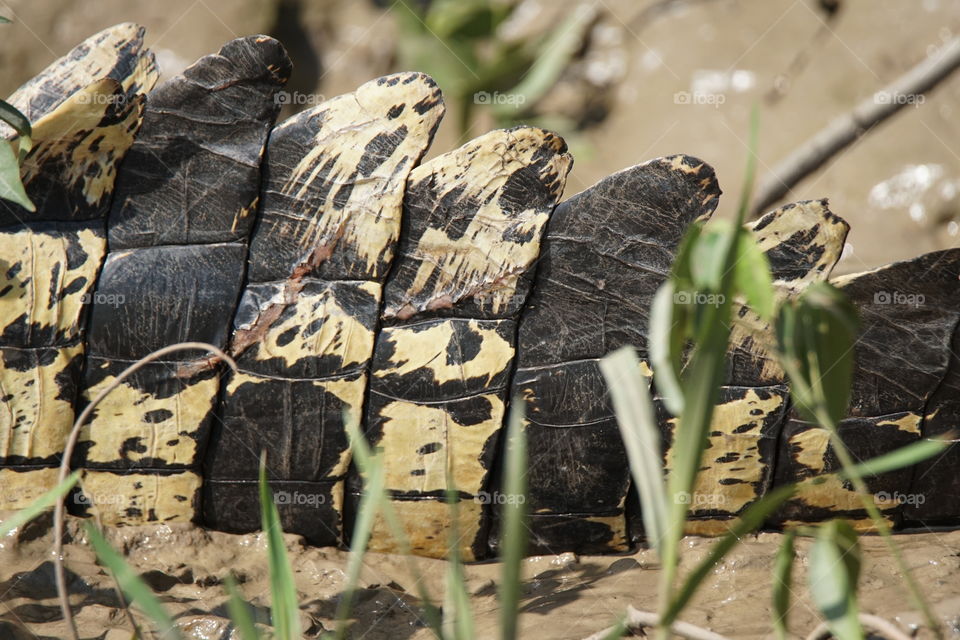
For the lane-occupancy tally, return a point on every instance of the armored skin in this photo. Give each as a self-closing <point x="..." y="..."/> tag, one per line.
<point x="353" y="282"/>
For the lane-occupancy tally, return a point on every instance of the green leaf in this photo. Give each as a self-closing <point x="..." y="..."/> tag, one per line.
<point x="782" y="585"/>
<point x="4" y="20"/>
<point x="132" y="585"/>
<point x="640" y="432"/>
<point x="514" y="518"/>
<point x="751" y="275"/>
<point x="903" y="457"/>
<point x="751" y="520"/>
<point x="834" y="572"/>
<point x="284" y="608"/>
<point x="38" y="506"/>
<point x="816" y="333"/>
<point x="665" y="344"/>
<point x="10" y="186"/>
<point x="239" y="611"/>
<point x="12" y="116"/>
<point x="554" y="58"/>
<point x="452" y="63"/>
<point x="709" y="255"/>
<point x="463" y="19"/>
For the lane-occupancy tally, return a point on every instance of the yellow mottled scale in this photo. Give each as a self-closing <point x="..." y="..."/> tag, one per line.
<point x="823" y="491"/>
<point x="737" y="464"/>
<point x="810" y="230"/>
<point x="341" y="336"/>
<point x="418" y="350"/>
<point x="803" y="242"/>
<point x="46" y="280"/>
<point x="483" y="260"/>
<point x="20" y="487"/>
<point x="365" y="145"/>
<point x="83" y="126"/>
<point x="37" y="412"/>
<point x="136" y="425"/>
<point x="425" y="442"/>
<point x="73" y="136"/>
<point x="428" y="525"/>
<point x="116" y="52"/>
<point x="139" y="498"/>
<point x="304" y="332"/>
<point x="474" y="220"/>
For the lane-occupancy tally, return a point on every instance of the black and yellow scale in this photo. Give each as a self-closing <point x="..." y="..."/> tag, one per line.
<point x="353" y="282"/>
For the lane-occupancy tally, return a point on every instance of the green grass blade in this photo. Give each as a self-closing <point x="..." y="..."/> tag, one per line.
<point x="690" y="436"/>
<point x="782" y="585"/>
<point x="751" y="520"/>
<point x="750" y="174"/>
<point x="630" y="393"/>
<point x="665" y="345"/>
<point x="132" y="586"/>
<point x="903" y="457"/>
<point x="363" y="526"/>
<point x="367" y="462"/>
<point x="458" y="617"/>
<point x="4" y="20"/>
<point x="833" y="575"/>
<point x="284" y="608"/>
<point x="239" y="611"/>
<point x="618" y="630"/>
<point x="11" y="188"/>
<point x="514" y="517"/>
<point x="38" y="506"/>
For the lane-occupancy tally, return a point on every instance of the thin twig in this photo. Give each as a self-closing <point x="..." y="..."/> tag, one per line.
<point x="887" y="628"/>
<point x="58" y="513"/>
<point x="846" y="129"/>
<point x="636" y="620"/>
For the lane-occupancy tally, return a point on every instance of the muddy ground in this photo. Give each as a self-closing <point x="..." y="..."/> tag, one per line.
<point x="899" y="187"/>
<point x="564" y="596"/>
